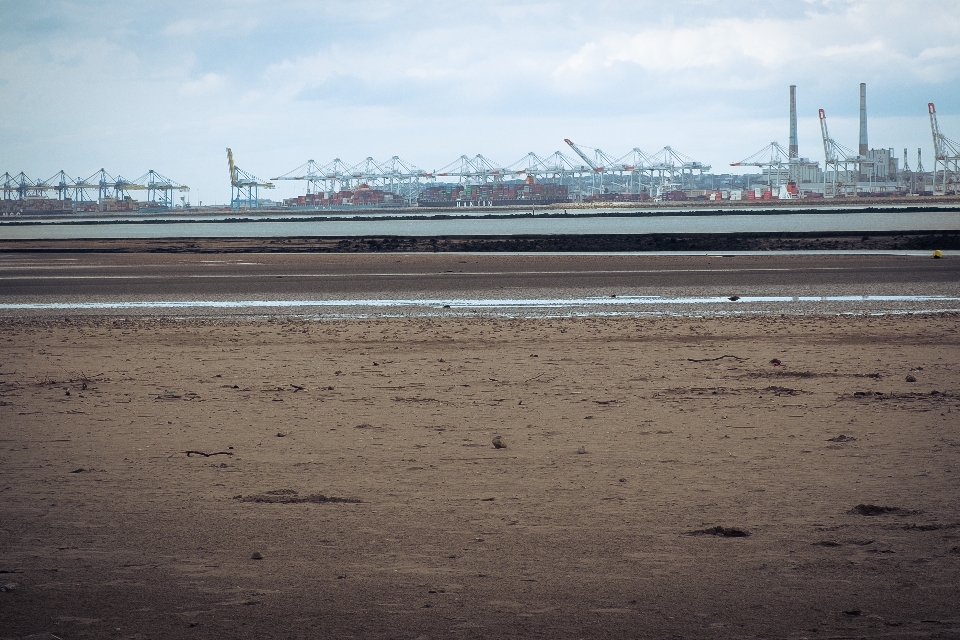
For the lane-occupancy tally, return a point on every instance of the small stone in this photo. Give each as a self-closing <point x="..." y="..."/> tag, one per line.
<point x="498" y="443"/>
<point x="582" y="449"/>
<point x="256" y="555"/>
<point x="911" y="379"/>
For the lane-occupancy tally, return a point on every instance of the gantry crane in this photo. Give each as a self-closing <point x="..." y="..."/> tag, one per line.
<point x="846" y="164"/>
<point x="597" y="171"/>
<point x="667" y="165"/>
<point x="946" y="156"/>
<point x="244" y="187"/>
<point x="779" y="165"/>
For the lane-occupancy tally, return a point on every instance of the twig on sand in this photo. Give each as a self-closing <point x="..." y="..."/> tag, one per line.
<point x="207" y="455"/>
<point x="737" y="358"/>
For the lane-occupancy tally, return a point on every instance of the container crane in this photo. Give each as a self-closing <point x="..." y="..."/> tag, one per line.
<point x="667" y="163"/>
<point x="160" y="188"/>
<point x="846" y="164"/>
<point x="597" y="170"/>
<point x="244" y="187"/>
<point x="946" y="154"/>
<point x="779" y="165"/>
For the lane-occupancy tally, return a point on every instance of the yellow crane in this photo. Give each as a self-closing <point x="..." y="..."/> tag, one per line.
<point x="244" y="187"/>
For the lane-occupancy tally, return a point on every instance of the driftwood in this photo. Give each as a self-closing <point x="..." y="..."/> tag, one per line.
<point x="737" y="358"/>
<point x="207" y="455"/>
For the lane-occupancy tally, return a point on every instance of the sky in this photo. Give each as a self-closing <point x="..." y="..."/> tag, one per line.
<point x="130" y="85"/>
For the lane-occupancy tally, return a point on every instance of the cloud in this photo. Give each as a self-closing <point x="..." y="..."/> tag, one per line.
<point x="834" y="40"/>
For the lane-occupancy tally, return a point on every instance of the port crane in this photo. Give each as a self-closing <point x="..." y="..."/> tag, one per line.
<point x="556" y="166"/>
<point x="946" y="154"/>
<point x="244" y="187"/>
<point x="597" y="180"/>
<point x="667" y="165"/>
<point x="395" y="175"/>
<point x="478" y="169"/>
<point x="159" y="188"/>
<point x="779" y="165"/>
<point x="846" y="164"/>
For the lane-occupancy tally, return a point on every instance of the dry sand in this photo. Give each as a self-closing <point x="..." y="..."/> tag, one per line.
<point x="623" y="438"/>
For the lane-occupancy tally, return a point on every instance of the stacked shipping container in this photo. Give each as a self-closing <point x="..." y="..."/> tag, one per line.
<point x="363" y="196"/>
<point x="493" y="194"/>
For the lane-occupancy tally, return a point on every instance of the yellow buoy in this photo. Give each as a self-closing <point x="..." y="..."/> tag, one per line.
<point x="938" y="254"/>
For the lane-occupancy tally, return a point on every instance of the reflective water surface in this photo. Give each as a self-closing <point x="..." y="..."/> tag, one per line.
<point x="508" y="307"/>
<point x="341" y="226"/>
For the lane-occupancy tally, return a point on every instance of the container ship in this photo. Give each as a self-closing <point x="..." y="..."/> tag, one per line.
<point x="363" y="196"/>
<point x="496" y="194"/>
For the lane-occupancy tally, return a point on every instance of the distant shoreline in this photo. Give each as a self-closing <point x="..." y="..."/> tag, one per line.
<point x="755" y="241"/>
<point x="590" y="209"/>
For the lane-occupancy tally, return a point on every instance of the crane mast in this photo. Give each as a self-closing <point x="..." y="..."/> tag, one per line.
<point x="946" y="157"/>
<point x="244" y="187"/>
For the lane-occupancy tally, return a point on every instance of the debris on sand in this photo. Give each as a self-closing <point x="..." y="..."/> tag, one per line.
<point x="776" y="362"/>
<point x="582" y="449"/>
<point x="911" y="379"/>
<point x="498" y="443"/>
<point x="256" y="555"/>
<point x="720" y="532"/>
<point x="737" y="358"/>
<point x="289" y="496"/>
<point x="207" y="455"/>
<point x="841" y="438"/>
<point x="876" y="510"/>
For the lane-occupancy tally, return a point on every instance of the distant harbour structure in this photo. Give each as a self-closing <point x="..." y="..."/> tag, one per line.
<point x="588" y="175"/>
<point x="786" y="175"/>
<point x="864" y="173"/>
<point x="99" y="193"/>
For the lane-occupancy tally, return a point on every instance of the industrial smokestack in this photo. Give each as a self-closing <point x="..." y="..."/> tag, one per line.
<point x="863" y="119"/>
<point x="794" y="149"/>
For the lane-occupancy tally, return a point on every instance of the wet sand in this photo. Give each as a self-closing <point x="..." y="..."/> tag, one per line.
<point x="46" y="277"/>
<point x="628" y="443"/>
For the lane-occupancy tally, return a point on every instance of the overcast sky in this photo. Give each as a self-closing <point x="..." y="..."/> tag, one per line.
<point x="130" y="85"/>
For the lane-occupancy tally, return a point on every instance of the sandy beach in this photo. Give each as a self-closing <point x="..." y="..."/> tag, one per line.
<point x="768" y="476"/>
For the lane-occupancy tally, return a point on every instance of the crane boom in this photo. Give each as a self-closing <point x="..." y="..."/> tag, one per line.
<point x="827" y="147"/>
<point x="233" y="167"/>
<point x="583" y="156"/>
